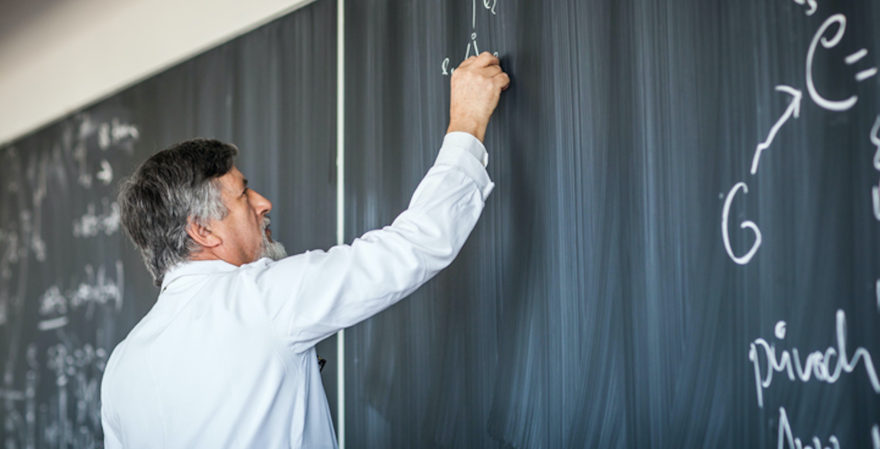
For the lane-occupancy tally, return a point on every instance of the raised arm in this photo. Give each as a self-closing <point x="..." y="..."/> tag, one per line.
<point x="349" y="283"/>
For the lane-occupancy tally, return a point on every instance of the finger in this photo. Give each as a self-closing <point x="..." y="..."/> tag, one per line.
<point x="502" y="80"/>
<point x="468" y="61"/>
<point x="487" y="59"/>
<point x="490" y="71"/>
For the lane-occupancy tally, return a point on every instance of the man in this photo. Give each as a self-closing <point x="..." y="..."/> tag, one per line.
<point x="226" y="358"/>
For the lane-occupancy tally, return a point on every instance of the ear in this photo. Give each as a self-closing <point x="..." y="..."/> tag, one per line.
<point x="202" y="234"/>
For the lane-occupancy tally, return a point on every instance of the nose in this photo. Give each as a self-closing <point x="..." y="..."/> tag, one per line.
<point x="260" y="203"/>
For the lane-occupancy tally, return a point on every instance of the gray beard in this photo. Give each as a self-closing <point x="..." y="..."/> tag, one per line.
<point x="272" y="249"/>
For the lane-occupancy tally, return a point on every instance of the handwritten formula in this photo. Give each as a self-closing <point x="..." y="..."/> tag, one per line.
<point x="60" y="293"/>
<point x="770" y="360"/>
<point x="828" y="36"/>
<point x="472" y="48"/>
<point x="826" y="365"/>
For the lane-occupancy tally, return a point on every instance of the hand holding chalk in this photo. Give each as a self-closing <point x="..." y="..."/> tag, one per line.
<point x="476" y="88"/>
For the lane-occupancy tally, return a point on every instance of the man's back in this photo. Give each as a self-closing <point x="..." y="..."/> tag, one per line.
<point x="226" y="357"/>
<point x="211" y="331"/>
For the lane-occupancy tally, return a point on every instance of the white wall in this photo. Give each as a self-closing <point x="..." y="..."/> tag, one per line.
<point x="59" y="55"/>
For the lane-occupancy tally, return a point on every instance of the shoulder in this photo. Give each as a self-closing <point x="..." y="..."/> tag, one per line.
<point x="267" y="273"/>
<point x="111" y="369"/>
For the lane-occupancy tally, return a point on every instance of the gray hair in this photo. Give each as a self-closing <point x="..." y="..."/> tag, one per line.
<point x="171" y="187"/>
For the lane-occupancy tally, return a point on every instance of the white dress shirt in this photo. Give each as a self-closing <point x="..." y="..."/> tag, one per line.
<point x="226" y="356"/>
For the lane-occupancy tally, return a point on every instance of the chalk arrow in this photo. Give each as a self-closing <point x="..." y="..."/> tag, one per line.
<point x="106" y="173"/>
<point x="793" y="110"/>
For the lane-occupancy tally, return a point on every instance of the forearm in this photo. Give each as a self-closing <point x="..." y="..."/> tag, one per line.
<point x="350" y="283"/>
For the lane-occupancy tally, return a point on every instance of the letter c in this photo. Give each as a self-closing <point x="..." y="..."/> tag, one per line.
<point x="831" y="105"/>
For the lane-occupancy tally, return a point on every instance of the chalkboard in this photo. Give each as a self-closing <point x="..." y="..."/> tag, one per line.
<point x="71" y="284"/>
<point x="687" y="208"/>
<point x="614" y="293"/>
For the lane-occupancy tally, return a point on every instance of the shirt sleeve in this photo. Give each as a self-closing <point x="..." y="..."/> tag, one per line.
<point x="350" y="283"/>
<point x="112" y="437"/>
<point x="470" y="144"/>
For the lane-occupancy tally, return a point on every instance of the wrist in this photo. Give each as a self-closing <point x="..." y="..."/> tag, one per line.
<point x="472" y="128"/>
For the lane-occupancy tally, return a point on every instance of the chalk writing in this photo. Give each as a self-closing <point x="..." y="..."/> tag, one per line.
<point x="472" y="48"/>
<point x="115" y="133"/>
<point x="820" y="38"/>
<point x="793" y="110"/>
<point x="825" y="366"/>
<point x="96" y="290"/>
<point x="105" y="174"/>
<point x="875" y="191"/>
<point x="63" y="399"/>
<point x="828" y="35"/>
<point x="490" y="5"/>
<point x="53" y="323"/>
<point x="77" y="374"/>
<point x="9" y="253"/>
<point x="79" y="154"/>
<point x="92" y="224"/>
<point x="36" y="244"/>
<point x="812" y="6"/>
<point x="875" y="140"/>
<point x="877" y="291"/>
<point x="15" y="423"/>
<point x="830" y="364"/>
<point x="53" y="302"/>
<point x="856" y="57"/>
<point x="748" y="224"/>
<point x="786" y="439"/>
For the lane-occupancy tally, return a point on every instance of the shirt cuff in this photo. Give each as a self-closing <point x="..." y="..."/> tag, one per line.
<point x="466" y="152"/>
<point x="469" y="143"/>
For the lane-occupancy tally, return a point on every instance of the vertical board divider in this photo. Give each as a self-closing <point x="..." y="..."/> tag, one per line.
<point x="340" y="203"/>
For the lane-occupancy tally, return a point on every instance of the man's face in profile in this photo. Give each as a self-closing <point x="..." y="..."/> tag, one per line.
<point x="244" y="233"/>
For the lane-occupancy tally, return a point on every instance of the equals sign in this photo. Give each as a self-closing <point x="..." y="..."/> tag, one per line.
<point x="856" y="57"/>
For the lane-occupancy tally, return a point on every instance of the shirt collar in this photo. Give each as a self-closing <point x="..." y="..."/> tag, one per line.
<point x="195" y="267"/>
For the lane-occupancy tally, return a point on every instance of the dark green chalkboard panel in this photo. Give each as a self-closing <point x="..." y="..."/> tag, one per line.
<point x="72" y="286"/>
<point x="596" y="304"/>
